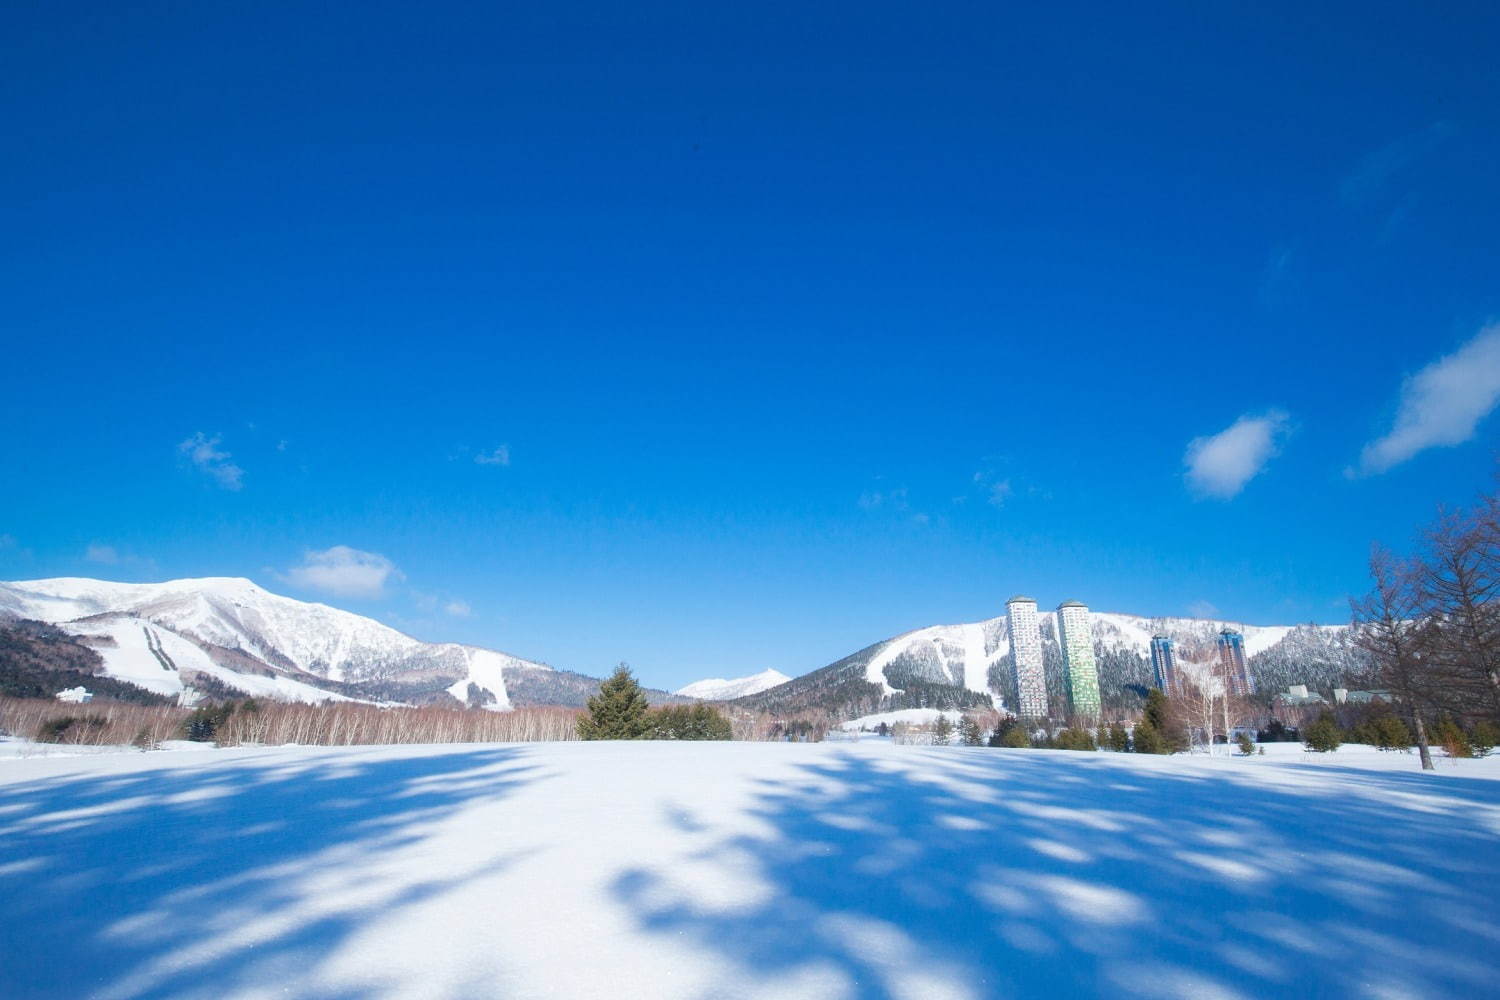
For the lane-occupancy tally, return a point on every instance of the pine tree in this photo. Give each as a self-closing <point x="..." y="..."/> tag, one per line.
<point x="1323" y="736"/>
<point x="1119" y="739"/>
<point x="618" y="712"/>
<point x="969" y="733"/>
<point x="1016" y="738"/>
<point x="1391" y="733"/>
<point x="1146" y="738"/>
<point x="942" y="730"/>
<point x="1169" y="736"/>
<point x="1247" y="745"/>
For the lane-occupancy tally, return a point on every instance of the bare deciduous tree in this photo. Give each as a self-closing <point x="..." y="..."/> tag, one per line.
<point x="1389" y="626"/>
<point x="1460" y="592"/>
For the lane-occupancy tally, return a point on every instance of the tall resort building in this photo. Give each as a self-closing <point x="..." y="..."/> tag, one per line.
<point x="1026" y="648"/>
<point x="1164" y="663"/>
<point x="1075" y="633"/>
<point x="1231" y="666"/>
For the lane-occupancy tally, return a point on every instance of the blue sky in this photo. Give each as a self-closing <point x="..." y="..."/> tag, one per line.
<point x="721" y="340"/>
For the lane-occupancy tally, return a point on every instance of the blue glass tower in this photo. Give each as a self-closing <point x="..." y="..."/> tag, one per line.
<point x="1164" y="664"/>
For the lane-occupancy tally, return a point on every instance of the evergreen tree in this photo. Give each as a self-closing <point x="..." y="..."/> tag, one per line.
<point x="1146" y="738"/>
<point x="1390" y="733"/>
<point x="618" y="712"/>
<point x="688" y="722"/>
<point x="1075" y="739"/>
<point x="1016" y="738"/>
<point x="1323" y="736"/>
<point x="942" y="731"/>
<point x="969" y="733"/>
<point x="1247" y="745"/>
<point x="1119" y="739"/>
<point x="1169" y="736"/>
<point x="1484" y="737"/>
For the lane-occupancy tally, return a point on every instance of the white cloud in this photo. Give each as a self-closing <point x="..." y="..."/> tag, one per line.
<point x="500" y="456"/>
<point x="344" y="572"/>
<point x="1442" y="404"/>
<point x="458" y="609"/>
<point x="1219" y="466"/>
<point x="203" y="451"/>
<point x="105" y="554"/>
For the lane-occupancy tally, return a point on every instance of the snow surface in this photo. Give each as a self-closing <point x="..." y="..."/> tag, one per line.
<point x="744" y="870"/>
<point x="719" y="689"/>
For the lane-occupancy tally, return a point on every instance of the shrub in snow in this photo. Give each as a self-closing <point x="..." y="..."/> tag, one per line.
<point x="1146" y="739"/>
<point x="1484" y="737"/>
<point x="1016" y="737"/>
<point x="688" y="722"/>
<point x="1247" y="745"/>
<point x="1453" y="739"/>
<point x="1075" y="739"/>
<point x="1323" y="736"/>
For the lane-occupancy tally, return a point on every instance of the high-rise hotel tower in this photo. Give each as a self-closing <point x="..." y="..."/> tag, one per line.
<point x="1164" y="663"/>
<point x="1075" y="633"/>
<point x="1026" y="648"/>
<point x="1231" y="667"/>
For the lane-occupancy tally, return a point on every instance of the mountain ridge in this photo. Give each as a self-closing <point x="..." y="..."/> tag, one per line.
<point x="231" y="632"/>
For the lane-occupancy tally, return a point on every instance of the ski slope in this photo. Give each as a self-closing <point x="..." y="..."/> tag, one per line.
<point x="744" y="870"/>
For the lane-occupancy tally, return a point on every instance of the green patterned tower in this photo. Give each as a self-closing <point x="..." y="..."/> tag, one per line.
<point x="1075" y="634"/>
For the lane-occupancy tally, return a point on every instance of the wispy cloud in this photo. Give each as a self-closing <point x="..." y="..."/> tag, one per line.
<point x="204" y="452"/>
<point x="1221" y="464"/>
<point x="996" y="491"/>
<point x="1377" y="171"/>
<point x="458" y="609"/>
<point x="496" y="456"/>
<point x="888" y="499"/>
<point x="1280" y="277"/>
<point x="105" y="554"/>
<point x="1441" y="405"/>
<point x="344" y="572"/>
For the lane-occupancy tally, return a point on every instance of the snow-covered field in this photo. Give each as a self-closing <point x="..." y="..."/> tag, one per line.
<point x="745" y="870"/>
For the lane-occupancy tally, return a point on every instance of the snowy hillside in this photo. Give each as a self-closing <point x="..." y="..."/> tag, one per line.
<point x="718" y="689"/>
<point x="745" y="870"/>
<point x="258" y="642"/>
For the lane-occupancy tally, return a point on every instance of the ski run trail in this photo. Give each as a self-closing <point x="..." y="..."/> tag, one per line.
<point x="683" y="870"/>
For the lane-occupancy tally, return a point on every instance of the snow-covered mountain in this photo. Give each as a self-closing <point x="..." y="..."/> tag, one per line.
<point x="718" y="689"/>
<point x="167" y="636"/>
<point x="969" y="665"/>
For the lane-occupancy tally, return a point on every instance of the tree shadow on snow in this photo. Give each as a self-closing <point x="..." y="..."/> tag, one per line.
<point x="1028" y="874"/>
<point x="202" y="878"/>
